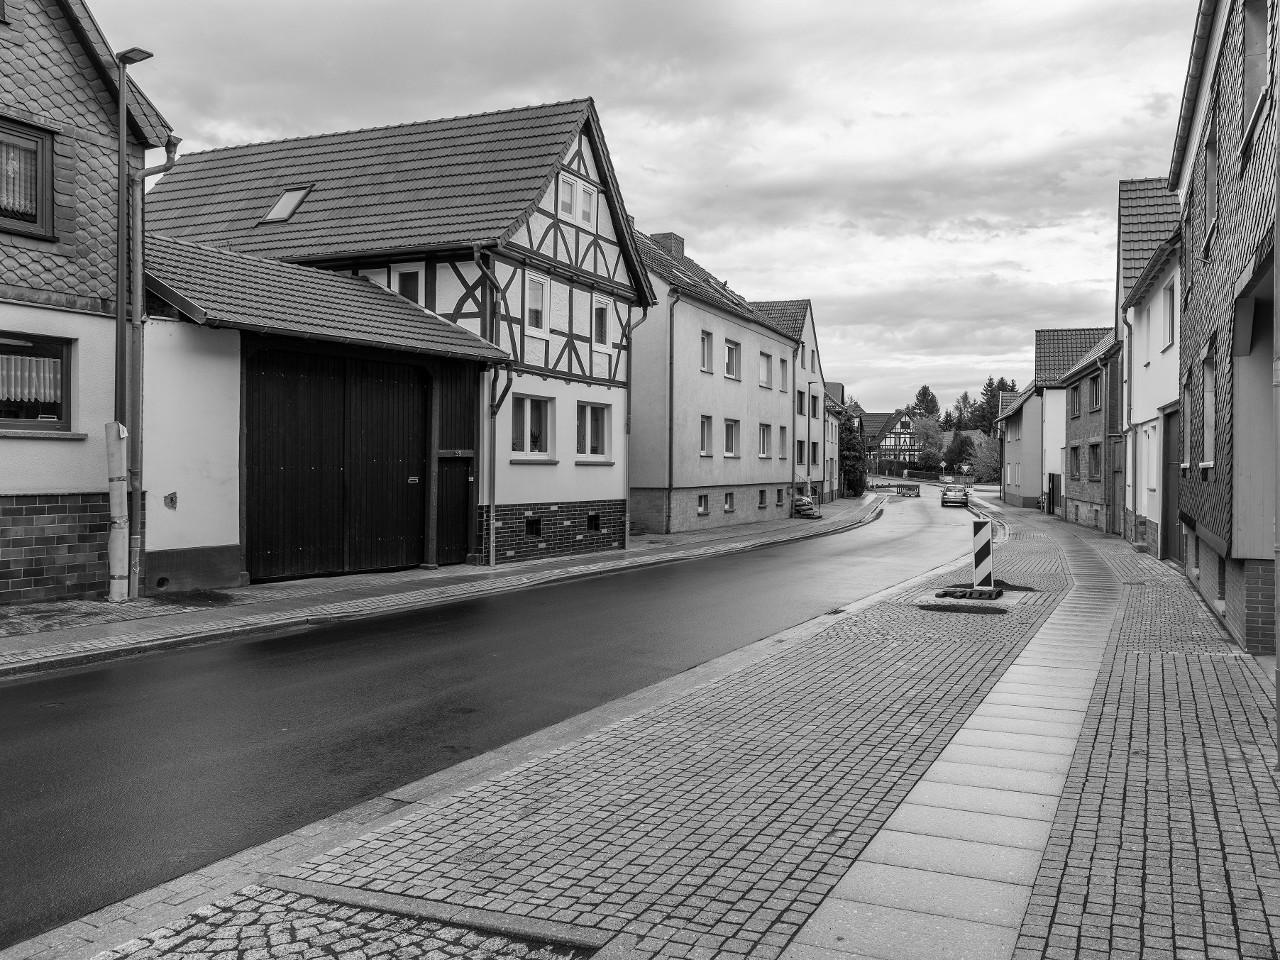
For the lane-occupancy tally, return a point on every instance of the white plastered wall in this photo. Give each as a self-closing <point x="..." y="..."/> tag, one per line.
<point x="191" y="421"/>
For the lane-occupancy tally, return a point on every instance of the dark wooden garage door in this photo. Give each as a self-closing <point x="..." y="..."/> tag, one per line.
<point x="336" y="458"/>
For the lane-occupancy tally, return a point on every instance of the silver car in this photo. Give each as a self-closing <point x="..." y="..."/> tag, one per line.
<point x="955" y="495"/>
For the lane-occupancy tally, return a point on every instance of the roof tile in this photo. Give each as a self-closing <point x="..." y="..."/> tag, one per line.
<point x="1148" y="214"/>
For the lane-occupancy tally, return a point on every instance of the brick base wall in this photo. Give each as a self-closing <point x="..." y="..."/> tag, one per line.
<point x="53" y="547"/>
<point x="746" y="509"/>
<point x="1248" y="595"/>
<point x="563" y="529"/>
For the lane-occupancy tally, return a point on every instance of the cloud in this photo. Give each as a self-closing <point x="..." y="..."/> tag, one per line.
<point x="940" y="178"/>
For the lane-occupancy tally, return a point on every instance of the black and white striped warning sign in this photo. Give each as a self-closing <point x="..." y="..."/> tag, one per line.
<point x="983" y="573"/>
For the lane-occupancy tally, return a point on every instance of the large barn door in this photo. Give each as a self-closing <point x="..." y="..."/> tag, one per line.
<point x="385" y="465"/>
<point x="294" y="452"/>
<point x="452" y="519"/>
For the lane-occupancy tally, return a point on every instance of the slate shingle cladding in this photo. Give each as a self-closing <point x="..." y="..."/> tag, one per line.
<point x="1241" y="244"/>
<point x="268" y="296"/>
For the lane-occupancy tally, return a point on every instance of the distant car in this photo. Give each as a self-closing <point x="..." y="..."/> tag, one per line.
<point x="948" y="479"/>
<point x="804" y="507"/>
<point x="955" y="495"/>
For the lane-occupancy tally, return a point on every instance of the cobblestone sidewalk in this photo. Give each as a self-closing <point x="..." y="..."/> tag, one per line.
<point x="39" y="636"/>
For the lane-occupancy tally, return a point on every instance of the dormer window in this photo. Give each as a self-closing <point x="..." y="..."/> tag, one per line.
<point x="588" y="212"/>
<point x="568" y="198"/>
<point x="287" y="205"/>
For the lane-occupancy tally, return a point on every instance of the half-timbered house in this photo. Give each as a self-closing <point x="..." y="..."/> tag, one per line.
<point x="509" y="224"/>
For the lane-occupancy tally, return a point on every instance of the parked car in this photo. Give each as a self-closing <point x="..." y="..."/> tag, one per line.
<point x="803" y="507"/>
<point x="955" y="495"/>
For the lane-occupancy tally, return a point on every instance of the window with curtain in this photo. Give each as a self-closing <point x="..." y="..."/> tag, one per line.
<point x="26" y="175"/>
<point x="33" y="382"/>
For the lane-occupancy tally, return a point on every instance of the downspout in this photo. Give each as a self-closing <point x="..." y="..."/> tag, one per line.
<point x="1106" y="442"/>
<point x="791" y="399"/>
<point x="1131" y="440"/>
<point x="673" y="292"/>
<point x="626" y="467"/>
<point x="136" y="183"/>
<point x="1275" y="426"/>
<point x="488" y="331"/>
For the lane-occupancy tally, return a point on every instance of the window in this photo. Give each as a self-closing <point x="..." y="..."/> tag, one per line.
<point x="1253" y="77"/>
<point x="1211" y="178"/>
<point x="764" y="499"/>
<point x="732" y="362"/>
<point x="26" y="180"/>
<point x="779" y="496"/>
<point x="813" y="360"/>
<point x="1209" y="416"/>
<point x="706" y="351"/>
<point x="782" y="443"/>
<point x="704" y="504"/>
<point x="593" y="430"/>
<point x="728" y="502"/>
<point x="1185" y="420"/>
<point x="406" y="280"/>
<point x="704" y="447"/>
<point x="800" y="402"/>
<point x="1074" y="400"/>
<point x="593" y="523"/>
<point x="813" y="405"/>
<point x="588" y="212"/>
<point x="802" y="355"/>
<point x="766" y="370"/>
<point x="568" y="198"/>
<point x="800" y="452"/>
<point x="287" y="205"/>
<point x="1167" y="308"/>
<point x="535" y="302"/>
<point x="531" y="426"/>
<point x="1095" y="391"/>
<point x="731" y="438"/>
<point x="35" y="382"/>
<point x="1148" y="333"/>
<point x="766" y="440"/>
<point x="1075" y="463"/>
<point x="813" y="452"/>
<point x="782" y="375"/>
<point x="600" y="325"/>
<point x="533" y="527"/>
<point x="1095" y="461"/>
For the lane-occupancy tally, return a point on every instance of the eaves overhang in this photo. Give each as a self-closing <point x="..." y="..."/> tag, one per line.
<point x="1191" y="88"/>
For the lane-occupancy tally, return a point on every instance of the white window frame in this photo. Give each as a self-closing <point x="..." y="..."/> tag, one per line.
<point x="766" y="370"/>
<point x="728" y="501"/>
<point x="587" y="212"/>
<point x="545" y="283"/>
<point x="782" y="374"/>
<point x="733" y="360"/>
<point x="766" y="441"/>
<point x="799" y="453"/>
<point x="782" y="442"/>
<point x="604" y="438"/>
<point x="568" y="189"/>
<point x="764" y="498"/>
<point x="524" y="402"/>
<point x="1169" y="310"/>
<point x="732" y="438"/>
<point x="398" y="270"/>
<point x="598" y="303"/>
<point x="1209" y="410"/>
<point x="706" y="433"/>
<point x="708" y="349"/>
<point x="704" y="504"/>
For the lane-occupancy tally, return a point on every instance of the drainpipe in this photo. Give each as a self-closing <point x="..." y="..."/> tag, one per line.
<point x="1131" y="440"/>
<point x="1275" y="390"/>
<point x="626" y="467"/>
<point x="136" y="183"/>
<point x="673" y="293"/>
<point x="795" y="356"/>
<point x="489" y="331"/>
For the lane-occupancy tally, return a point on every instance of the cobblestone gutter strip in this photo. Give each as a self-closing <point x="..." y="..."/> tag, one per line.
<point x="1167" y="840"/>
<point x="156" y="637"/>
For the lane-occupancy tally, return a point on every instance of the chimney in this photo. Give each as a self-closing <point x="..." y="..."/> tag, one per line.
<point x="673" y="243"/>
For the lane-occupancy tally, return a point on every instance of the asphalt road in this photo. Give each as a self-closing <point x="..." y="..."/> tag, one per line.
<point x="119" y="777"/>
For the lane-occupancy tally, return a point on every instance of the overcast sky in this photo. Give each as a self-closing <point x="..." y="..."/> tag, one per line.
<point x="938" y="176"/>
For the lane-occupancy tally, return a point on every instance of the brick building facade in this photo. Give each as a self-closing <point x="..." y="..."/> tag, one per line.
<point x="1224" y="170"/>
<point x="58" y="202"/>
<point x="1091" y="496"/>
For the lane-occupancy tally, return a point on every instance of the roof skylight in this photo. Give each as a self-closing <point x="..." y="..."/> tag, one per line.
<point x="287" y="205"/>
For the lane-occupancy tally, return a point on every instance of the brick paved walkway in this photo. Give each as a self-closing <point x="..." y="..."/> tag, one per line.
<point x="38" y="636"/>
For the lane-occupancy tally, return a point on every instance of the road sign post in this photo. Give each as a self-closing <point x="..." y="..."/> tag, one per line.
<point x="983" y="573"/>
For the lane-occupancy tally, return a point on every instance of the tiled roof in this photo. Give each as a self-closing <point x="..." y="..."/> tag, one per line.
<point x="785" y="316"/>
<point x="1148" y="214"/>
<point x="269" y="296"/>
<point x="428" y="184"/>
<point x="835" y="391"/>
<point x="876" y="425"/>
<point x="691" y="278"/>
<point x="1058" y="350"/>
<point x="149" y="126"/>
<point x="1015" y="404"/>
<point x="1082" y="367"/>
<point x="1167" y="251"/>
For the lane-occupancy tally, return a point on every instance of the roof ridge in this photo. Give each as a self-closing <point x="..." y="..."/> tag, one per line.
<point x="584" y="101"/>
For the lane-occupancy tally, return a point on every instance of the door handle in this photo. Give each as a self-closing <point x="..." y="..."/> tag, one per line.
<point x="413" y="479"/>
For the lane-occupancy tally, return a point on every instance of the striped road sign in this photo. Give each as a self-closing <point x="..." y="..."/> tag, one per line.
<point x="983" y="576"/>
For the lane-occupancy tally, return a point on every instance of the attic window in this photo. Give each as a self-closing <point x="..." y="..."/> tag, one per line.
<point x="287" y="205"/>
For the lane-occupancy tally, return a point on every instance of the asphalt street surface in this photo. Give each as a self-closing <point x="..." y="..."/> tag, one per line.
<point x="120" y="777"/>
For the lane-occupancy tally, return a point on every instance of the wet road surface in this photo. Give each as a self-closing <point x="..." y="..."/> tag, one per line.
<point x="122" y="776"/>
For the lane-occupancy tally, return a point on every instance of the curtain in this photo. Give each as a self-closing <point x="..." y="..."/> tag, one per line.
<point x="30" y="379"/>
<point x="18" y="187"/>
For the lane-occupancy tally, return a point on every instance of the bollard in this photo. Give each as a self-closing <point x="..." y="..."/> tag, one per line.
<point x="983" y="575"/>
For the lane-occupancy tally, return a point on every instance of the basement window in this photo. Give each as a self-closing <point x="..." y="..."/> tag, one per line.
<point x="287" y="205"/>
<point x="533" y="527"/>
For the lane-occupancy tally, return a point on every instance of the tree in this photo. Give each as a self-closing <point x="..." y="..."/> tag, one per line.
<point x="948" y="421"/>
<point x="986" y="460"/>
<point x="988" y="408"/>
<point x="926" y="403"/>
<point x="853" y="461"/>
<point x="929" y="438"/>
<point x="959" y="450"/>
<point x="964" y="408"/>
